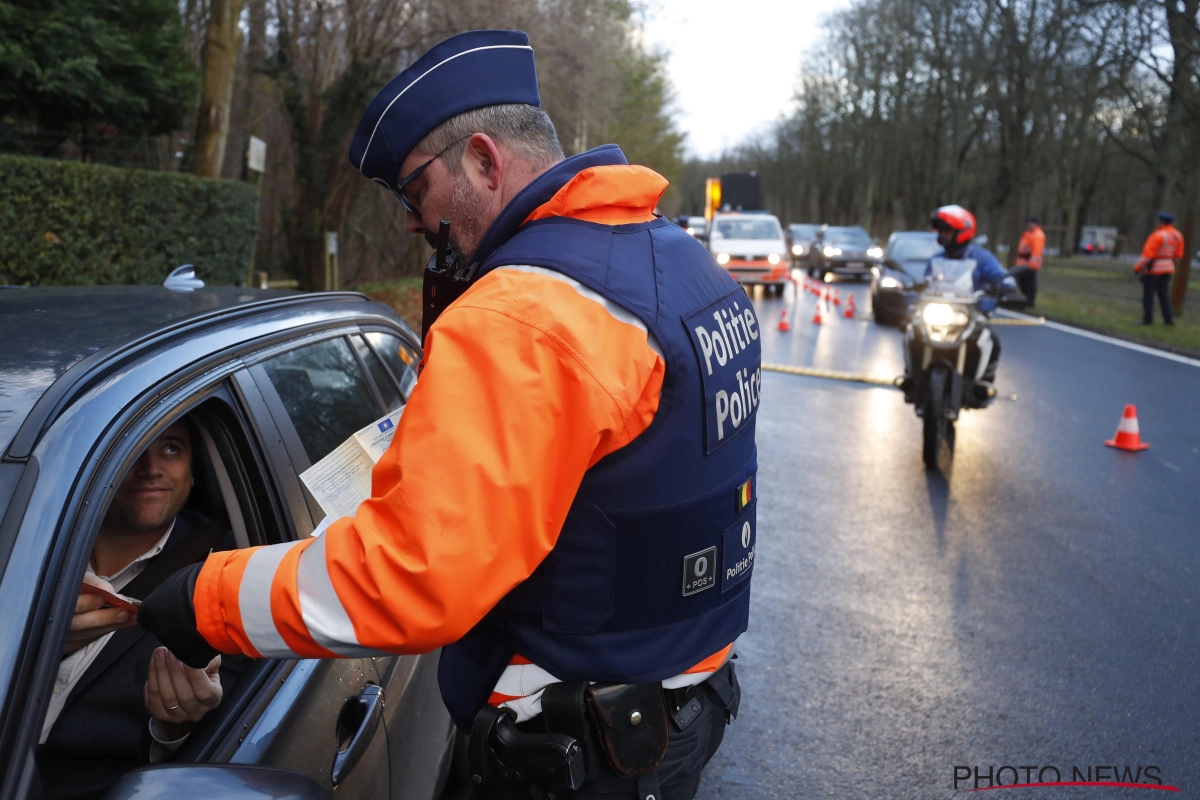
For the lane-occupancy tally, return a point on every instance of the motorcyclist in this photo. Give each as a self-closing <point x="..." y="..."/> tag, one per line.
<point x="956" y="229"/>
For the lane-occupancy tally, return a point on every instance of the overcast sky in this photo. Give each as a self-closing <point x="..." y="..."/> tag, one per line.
<point x="733" y="62"/>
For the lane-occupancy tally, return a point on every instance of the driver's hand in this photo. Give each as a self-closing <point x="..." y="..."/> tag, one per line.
<point x="179" y="696"/>
<point x="92" y="621"/>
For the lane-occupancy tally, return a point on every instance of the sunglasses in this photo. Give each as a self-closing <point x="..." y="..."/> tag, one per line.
<point x="409" y="205"/>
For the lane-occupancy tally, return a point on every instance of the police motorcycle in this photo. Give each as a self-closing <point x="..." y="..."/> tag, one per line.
<point x="950" y="344"/>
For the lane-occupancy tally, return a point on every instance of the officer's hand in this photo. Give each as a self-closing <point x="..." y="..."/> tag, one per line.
<point x="92" y="621"/>
<point x="169" y="615"/>
<point x="177" y="695"/>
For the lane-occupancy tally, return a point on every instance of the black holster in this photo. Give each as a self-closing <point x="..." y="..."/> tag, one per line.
<point x="615" y="729"/>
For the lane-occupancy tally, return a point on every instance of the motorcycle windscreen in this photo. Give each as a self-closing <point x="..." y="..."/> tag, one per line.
<point x="953" y="274"/>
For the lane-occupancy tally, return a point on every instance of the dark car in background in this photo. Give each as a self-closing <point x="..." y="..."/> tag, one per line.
<point x="800" y="238"/>
<point x="844" y="251"/>
<point x="89" y="377"/>
<point x="893" y="280"/>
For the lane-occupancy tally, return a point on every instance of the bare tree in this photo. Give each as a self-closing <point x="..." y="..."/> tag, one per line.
<point x="219" y="58"/>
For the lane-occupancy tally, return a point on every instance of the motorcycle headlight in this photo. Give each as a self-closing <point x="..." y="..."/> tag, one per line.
<point x="773" y="258"/>
<point x="875" y="252"/>
<point x="940" y="315"/>
<point x="888" y="282"/>
<point x="722" y="258"/>
<point x="797" y="249"/>
<point x="944" y="315"/>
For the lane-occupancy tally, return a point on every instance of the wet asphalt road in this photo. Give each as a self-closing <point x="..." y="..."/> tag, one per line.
<point x="1036" y="606"/>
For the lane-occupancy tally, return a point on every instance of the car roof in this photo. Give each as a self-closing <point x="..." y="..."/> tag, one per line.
<point x="47" y="331"/>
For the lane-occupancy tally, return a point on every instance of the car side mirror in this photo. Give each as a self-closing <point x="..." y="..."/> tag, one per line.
<point x="227" y="781"/>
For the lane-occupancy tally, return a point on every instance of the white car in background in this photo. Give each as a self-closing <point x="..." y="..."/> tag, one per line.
<point x="751" y="247"/>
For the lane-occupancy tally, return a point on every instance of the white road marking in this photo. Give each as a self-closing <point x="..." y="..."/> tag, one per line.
<point x="1100" y="337"/>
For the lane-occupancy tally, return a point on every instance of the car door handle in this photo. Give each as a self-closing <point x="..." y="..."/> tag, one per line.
<point x="356" y="727"/>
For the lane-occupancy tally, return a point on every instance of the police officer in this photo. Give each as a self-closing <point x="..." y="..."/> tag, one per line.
<point x="1029" y="259"/>
<point x="569" y="497"/>
<point x="1157" y="265"/>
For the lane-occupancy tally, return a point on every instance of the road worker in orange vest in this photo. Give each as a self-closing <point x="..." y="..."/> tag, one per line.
<point x="567" y="509"/>
<point x="1157" y="265"/>
<point x="1029" y="259"/>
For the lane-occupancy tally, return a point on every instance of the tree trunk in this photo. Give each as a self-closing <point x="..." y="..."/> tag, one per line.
<point x="1191" y="201"/>
<point x="220" y="58"/>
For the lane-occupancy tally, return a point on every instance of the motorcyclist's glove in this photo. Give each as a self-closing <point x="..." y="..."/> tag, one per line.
<point x="168" y="614"/>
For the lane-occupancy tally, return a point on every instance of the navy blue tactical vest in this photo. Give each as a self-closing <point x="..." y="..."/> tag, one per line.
<point x="651" y="573"/>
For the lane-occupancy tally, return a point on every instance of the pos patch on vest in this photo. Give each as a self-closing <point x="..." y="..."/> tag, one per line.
<point x="700" y="571"/>
<point x="738" y="558"/>
<point x="725" y="335"/>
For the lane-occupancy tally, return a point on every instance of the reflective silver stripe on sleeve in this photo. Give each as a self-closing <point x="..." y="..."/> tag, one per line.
<point x="254" y="601"/>
<point x="322" y="610"/>
<point x="617" y="312"/>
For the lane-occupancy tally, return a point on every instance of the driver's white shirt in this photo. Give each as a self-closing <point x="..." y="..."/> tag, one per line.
<point x="71" y="669"/>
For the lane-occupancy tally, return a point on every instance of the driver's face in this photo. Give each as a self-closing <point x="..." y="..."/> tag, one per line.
<point x="946" y="238"/>
<point x="157" y="486"/>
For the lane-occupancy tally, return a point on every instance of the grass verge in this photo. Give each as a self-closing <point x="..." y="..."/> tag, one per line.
<point x="1104" y="295"/>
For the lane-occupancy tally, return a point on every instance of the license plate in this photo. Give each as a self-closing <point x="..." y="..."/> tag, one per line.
<point x="855" y="265"/>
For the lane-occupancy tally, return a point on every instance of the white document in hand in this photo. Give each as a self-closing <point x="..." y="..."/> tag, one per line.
<point x="342" y="479"/>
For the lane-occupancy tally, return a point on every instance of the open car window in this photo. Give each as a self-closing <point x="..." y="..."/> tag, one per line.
<point x="196" y="483"/>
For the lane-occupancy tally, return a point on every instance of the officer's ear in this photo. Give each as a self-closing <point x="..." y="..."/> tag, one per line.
<point x="484" y="161"/>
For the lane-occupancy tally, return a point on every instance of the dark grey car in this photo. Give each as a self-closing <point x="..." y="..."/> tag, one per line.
<point x="842" y="250"/>
<point x="88" y="378"/>
<point x="893" y="282"/>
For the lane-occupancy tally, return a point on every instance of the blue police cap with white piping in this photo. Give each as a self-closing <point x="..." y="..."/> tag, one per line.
<point x="462" y="73"/>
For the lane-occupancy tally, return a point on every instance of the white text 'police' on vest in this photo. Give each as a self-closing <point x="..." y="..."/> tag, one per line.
<point x="726" y="338"/>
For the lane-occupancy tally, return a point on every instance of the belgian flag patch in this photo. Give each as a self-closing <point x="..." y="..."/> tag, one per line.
<point x="745" y="493"/>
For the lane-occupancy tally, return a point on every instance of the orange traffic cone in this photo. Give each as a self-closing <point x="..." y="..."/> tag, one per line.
<point x="818" y="318"/>
<point x="1128" y="437"/>
<point x="851" y="311"/>
<point x="784" y="325"/>
<point x="837" y="297"/>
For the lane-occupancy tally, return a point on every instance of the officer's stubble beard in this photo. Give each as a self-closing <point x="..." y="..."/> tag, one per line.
<point x="470" y="217"/>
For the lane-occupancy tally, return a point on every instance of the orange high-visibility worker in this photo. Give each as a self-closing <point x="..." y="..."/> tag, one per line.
<point x="567" y="508"/>
<point x="1029" y="258"/>
<point x="1156" y="267"/>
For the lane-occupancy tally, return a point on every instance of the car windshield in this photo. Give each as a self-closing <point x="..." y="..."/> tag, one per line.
<point x="854" y="236"/>
<point x="803" y="232"/>
<point x="915" y="248"/>
<point x="748" y="228"/>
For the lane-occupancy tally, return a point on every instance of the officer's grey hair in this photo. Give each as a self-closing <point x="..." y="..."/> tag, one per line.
<point x="524" y="129"/>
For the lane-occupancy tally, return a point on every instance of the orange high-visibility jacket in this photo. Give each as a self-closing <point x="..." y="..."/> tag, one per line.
<point x="528" y="380"/>
<point x="1160" y="251"/>
<point x="1029" y="250"/>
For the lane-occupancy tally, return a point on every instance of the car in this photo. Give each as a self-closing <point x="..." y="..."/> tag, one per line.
<point x="750" y="246"/>
<point x="894" y="279"/>
<point x="270" y="381"/>
<point x="801" y="237"/>
<point x="695" y="226"/>
<point x="843" y="250"/>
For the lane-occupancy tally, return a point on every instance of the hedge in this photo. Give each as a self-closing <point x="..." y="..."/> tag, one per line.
<point x="69" y="223"/>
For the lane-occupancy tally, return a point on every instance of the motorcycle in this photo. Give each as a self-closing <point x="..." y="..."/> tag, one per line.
<point x="948" y="378"/>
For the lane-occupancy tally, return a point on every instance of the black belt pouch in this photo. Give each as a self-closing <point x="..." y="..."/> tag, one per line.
<point x="631" y="725"/>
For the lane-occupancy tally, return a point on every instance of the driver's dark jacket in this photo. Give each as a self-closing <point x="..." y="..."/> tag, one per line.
<point x="103" y="731"/>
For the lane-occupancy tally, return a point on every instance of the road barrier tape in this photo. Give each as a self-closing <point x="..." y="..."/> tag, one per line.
<point x="1018" y="321"/>
<point x="854" y="377"/>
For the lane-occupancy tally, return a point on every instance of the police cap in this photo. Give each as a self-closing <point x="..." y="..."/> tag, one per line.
<point x="462" y="73"/>
<point x="1166" y="217"/>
